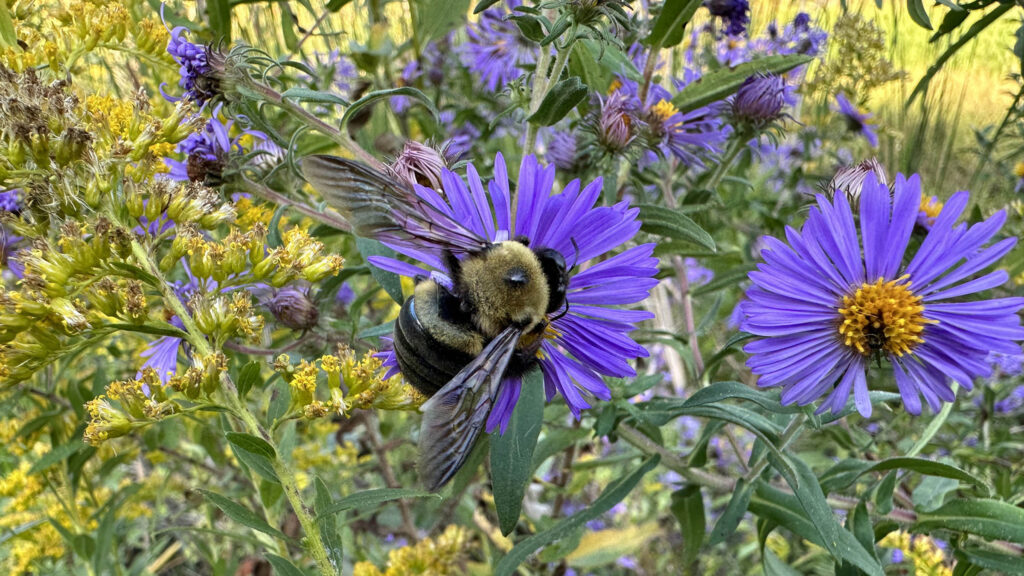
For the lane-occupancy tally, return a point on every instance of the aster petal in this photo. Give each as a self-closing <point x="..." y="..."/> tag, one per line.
<point x="986" y="282"/>
<point x="397" y="266"/>
<point x="504" y="404"/>
<point x="976" y="263"/>
<point x="874" y="226"/>
<point x="483" y="208"/>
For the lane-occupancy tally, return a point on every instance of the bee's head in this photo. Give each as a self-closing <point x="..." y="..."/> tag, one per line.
<point x="506" y="285"/>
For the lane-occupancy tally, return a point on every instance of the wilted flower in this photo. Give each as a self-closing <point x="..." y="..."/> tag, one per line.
<point x="496" y="50"/>
<point x="824" y="309"/>
<point x="292" y="307"/>
<point x="761" y="99"/>
<point x="856" y="120"/>
<point x="592" y="330"/>
<point x="419" y="164"/>
<point x="735" y="14"/>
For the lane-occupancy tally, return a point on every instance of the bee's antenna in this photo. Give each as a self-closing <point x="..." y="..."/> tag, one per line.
<point x="576" y="250"/>
<point x="563" y="312"/>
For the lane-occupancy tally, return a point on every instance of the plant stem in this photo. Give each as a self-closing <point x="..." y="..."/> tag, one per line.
<point x="788" y="435"/>
<point x="331" y="219"/>
<point x="202" y="347"/>
<point x="542" y="85"/>
<point x="274" y="97"/>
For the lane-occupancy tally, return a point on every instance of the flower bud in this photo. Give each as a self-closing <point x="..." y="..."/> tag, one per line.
<point x="615" y="122"/>
<point x="419" y="164"/>
<point x="293" y="308"/>
<point x="760" y="100"/>
<point x="850" y="179"/>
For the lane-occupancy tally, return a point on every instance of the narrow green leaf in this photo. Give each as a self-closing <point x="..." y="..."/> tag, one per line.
<point x="218" y="15"/>
<point x="255" y="453"/>
<point x="8" y="37"/>
<point x="512" y="452"/>
<point x="774" y="566"/>
<point x="858" y="521"/>
<point x="309" y="95"/>
<point x="611" y="496"/>
<point x="722" y="391"/>
<point x="847" y="472"/>
<point x="673" y="224"/>
<point x="996" y="561"/>
<point x="983" y="517"/>
<point x="434" y="18"/>
<point x="389" y="281"/>
<point x="335" y="5"/>
<point x="688" y="508"/>
<point x="367" y="498"/>
<point x="291" y="40"/>
<point x="559" y="101"/>
<point x="674" y="16"/>
<point x="734" y="511"/>
<point x="918" y="14"/>
<point x="883" y="494"/>
<point x="483" y="5"/>
<point x="385" y="329"/>
<point x="931" y="492"/>
<point x="57" y="454"/>
<point x="241" y="514"/>
<point x="249" y="377"/>
<point x="722" y="83"/>
<point x="974" y="30"/>
<point x="328" y="525"/>
<point x="283" y="566"/>
<point x="377" y="95"/>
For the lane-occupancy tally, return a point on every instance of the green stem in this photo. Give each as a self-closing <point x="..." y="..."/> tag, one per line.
<point x="735" y="147"/>
<point x="542" y="85"/>
<point x="791" y="432"/>
<point x="314" y="541"/>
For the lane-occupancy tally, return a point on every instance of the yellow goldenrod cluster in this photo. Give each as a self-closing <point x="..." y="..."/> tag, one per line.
<point x="223" y="316"/>
<point x="301" y="256"/>
<point x="438" y="556"/>
<point x="352" y="383"/>
<point x="857" y="61"/>
<point x="341" y="461"/>
<point x="251" y="214"/>
<point x="26" y="510"/>
<point x="138" y="403"/>
<point x="203" y="377"/>
<point x="927" y="558"/>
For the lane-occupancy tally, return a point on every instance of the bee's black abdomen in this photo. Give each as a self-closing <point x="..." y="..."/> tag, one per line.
<point x="426" y="363"/>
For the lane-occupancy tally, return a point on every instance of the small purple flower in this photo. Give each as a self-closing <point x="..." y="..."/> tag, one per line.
<point x="195" y="67"/>
<point x="207" y="151"/>
<point x="734" y="13"/>
<point x="496" y="50"/>
<point x="1011" y="403"/>
<point x="292" y="307"/>
<point x="593" y="330"/>
<point x="341" y="71"/>
<point x="696" y="274"/>
<point x="857" y="121"/>
<point x="345" y="294"/>
<point x="10" y="201"/>
<point x="409" y="75"/>
<point x="561" y="150"/>
<point x="162" y="354"/>
<point x="832" y="301"/>
<point x="615" y="123"/>
<point x="761" y="99"/>
<point x="1008" y="364"/>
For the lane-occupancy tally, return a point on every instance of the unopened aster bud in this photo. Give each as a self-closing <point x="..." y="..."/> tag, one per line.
<point x="419" y="164"/>
<point x="850" y="179"/>
<point x="292" y="307"/>
<point x="615" y="123"/>
<point x="760" y="100"/>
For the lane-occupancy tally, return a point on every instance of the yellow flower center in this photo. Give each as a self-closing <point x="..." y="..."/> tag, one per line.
<point x="931" y="208"/>
<point x="1019" y="169"/>
<point x="614" y="86"/>
<point x="664" y="110"/>
<point x="883" y="316"/>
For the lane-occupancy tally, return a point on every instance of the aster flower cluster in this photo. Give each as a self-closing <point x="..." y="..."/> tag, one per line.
<point x="831" y="301"/>
<point x="569" y="222"/>
<point x="496" y="50"/>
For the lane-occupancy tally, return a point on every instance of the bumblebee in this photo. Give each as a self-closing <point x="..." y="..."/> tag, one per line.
<point x="455" y="343"/>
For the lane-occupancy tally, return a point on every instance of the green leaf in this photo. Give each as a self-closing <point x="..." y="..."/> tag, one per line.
<point x="288" y="21"/>
<point x="55" y="455"/>
<point x="389" y="281"/>
<point x="283" y="566"/>
<point x="673" y="224"/>
<point x="952" y="21"/>
<point x="512" y="452"/>
<point x="556" y="440"/>
<point x="8" y="37"/>
<point x="734" y="511"/>
<point x="384" y="329"/>
<point x="839" y="542"/>
<point x="559" y="101"/>
<point x="918" y="14"/>
<point x="858" y="521"/>
<point x="774" y="566"/>
<point x="987" y="518"/>
<point x="847" y="472"/>
<point x="434" y="18"/>
<point x="974" y="30"/>
<point x="255" y="453"/>
<point x="328" y="525"/>
<point x="674" y="16"/>
<point x="483" y="5"/>
<point x="241" y="514"/>
<point x="883" y="494"/>
<point x="218" y="14"/>
<point x="611" y="496"/>
<point x="249" y="377"/>
<point x="335" y="5"/>
<point x="596" y="64"/>
<point x="385" y="94"/>
<point x="722" y="83"/>
<point x="722" y="391"/>
<point x="309" y="95"/>
<point x="996" y="561"/>
<point x="367" y="498"/>
<point x="688" y="508"/>
<point x="931" y="492"/>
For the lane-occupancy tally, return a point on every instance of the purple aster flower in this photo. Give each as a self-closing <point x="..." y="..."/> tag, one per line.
<point x="587" y="340"/>
<point x="345" y="294"/>
<point x="10" y="201"/>
<point x="1011" y="403"/>
<point x="734" y="13"/>
<point x="1009" y="364"/>
<point x="409" y="75"/>
<point x="696" y="274"/>
<point x="561" y="150"/>
<point x="496" y="50"/>
<point x="761" y="99"/>
<point x="615" y="122"/>
<point x="340" y="70"/>
<point x="292" y="307"/>
<point x="207" y="151"/>
<point x="830" y="303"/>
<point x="857" y="121"/>
<point x="196" y="63"/>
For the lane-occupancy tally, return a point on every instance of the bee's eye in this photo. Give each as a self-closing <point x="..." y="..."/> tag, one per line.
<point x="516" y="277"/>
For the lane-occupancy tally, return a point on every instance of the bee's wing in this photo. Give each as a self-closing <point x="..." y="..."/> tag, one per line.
<point x="454" y="417"/>
<point x="382" y="207"/>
